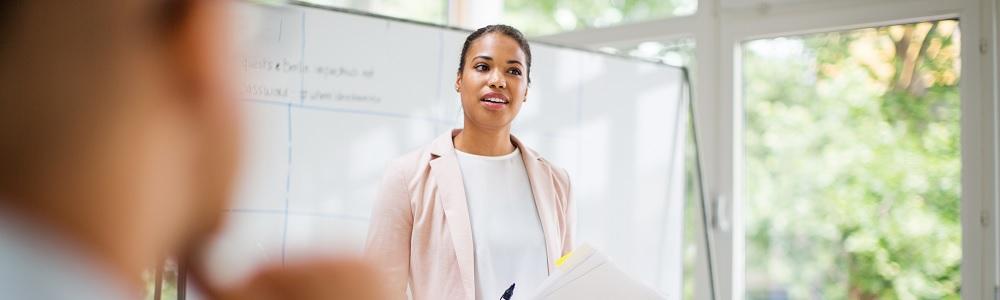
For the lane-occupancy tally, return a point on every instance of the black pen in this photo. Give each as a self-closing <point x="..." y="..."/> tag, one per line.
<point x="508" y="293"/>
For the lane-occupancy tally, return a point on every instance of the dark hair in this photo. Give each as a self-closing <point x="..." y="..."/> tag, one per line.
<point x="498" y="28"/>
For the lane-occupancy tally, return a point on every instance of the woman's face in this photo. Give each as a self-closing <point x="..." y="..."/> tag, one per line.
<point x="494" y="81"/>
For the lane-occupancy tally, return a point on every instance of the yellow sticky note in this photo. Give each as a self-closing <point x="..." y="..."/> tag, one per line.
<point x="562" y="260"/>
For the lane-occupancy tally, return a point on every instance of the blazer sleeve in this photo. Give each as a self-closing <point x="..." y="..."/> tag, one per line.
<point x="389" y="233"/>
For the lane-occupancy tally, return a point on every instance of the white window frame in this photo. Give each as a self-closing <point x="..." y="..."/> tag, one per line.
<point x="719" y="30"/>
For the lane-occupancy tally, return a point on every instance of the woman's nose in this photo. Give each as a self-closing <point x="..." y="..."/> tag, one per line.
<point x="497" y="81"/>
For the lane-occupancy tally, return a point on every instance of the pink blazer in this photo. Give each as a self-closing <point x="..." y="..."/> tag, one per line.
<point x="420" y="233"/>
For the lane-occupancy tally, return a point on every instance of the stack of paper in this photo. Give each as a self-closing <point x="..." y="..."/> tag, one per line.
<point x="587" y="274"/>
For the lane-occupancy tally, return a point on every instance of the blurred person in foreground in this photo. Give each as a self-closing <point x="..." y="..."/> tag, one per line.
<point x="119" y="140"/>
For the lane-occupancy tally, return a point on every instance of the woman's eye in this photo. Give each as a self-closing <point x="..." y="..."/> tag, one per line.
<point x="481" y="67"/>
<point x="515" y="71"/>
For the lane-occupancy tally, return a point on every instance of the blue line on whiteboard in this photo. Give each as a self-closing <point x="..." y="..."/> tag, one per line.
<point x="373" y="113"/>
<point x="345" y="110"/>
<point x="298" y="213"/>
<point x="330" y="215"/>
<point x="288" y="187"/>
<point x="269" y="102"/>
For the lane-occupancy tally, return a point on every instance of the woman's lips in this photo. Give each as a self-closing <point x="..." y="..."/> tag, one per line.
<point x="494" y="101"/>
<point x="492" y="105"/>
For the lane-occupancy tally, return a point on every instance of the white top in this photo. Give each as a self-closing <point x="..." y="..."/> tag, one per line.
<point x="506" y="232"/>
<point x="39" y="264"/>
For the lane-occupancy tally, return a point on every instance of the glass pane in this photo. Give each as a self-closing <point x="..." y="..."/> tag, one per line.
<point x="853" y="163"/>
<point x="430" y="11"/>
<point x="541" y="17"/>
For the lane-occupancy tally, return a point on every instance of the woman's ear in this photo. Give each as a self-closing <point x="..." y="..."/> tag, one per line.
<point x="458" y="81"/>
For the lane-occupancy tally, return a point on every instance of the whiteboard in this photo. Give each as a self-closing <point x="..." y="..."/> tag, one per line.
<point x="331" y="97"/>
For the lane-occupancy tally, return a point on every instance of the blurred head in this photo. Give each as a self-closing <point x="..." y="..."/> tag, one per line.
<point x="117" y="122"/>
<point x="493" y="76"/>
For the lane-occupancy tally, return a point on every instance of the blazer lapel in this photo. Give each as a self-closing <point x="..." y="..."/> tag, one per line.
<point x="448" y="176"/>
<point x="540" y="179"/>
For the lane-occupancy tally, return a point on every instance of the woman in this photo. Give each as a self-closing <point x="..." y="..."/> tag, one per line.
<point x="476" y="212"/>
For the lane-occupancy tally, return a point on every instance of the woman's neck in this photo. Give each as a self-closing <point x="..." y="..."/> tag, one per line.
<point x="478" y="141"/>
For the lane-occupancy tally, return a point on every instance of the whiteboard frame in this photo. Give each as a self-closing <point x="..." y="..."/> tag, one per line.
<point x="183" y="287"/>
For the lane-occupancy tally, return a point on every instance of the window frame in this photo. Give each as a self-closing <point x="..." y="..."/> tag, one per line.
<point x="978" y="120"/>
<point x="719" y="29"/>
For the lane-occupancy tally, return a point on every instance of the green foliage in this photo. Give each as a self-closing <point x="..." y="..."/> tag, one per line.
<point x="853" y="165"/>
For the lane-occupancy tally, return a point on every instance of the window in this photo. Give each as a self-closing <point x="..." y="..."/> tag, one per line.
<point x="853" y="163"/>
<point x="430" y="11"/>
<point x="541" y="17"/>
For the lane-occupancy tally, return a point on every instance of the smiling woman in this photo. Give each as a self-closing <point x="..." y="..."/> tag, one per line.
<point x="476" y="212"/>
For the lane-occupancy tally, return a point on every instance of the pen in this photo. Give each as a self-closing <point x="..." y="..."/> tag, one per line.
<point x="508" y="293"/>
